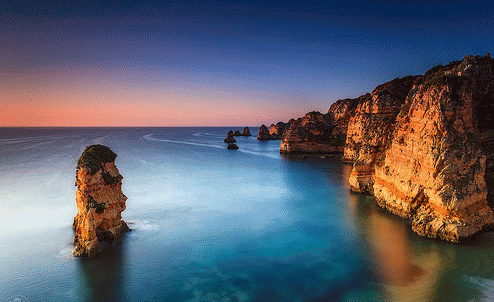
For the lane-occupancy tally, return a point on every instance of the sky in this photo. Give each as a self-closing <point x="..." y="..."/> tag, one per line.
<point x="217" y="63"/>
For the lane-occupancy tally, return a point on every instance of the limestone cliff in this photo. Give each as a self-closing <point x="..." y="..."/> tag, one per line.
<point x="319" y="133"/>
<point x="263" y="133"/>
<point x="369" y="129"/>
<point x="276" y="130"/>
<point x="100" y="201"/>
<point x="311" y="134"/>
<point x="341" y="112"/>
<point x="433" y="169"/>
<point x="423" y="146"/>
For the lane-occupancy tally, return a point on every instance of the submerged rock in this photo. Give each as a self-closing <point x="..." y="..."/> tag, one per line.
<point x="99" y="200"/>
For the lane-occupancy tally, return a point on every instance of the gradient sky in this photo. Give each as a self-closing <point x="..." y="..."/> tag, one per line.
<point x="213" y="63"/>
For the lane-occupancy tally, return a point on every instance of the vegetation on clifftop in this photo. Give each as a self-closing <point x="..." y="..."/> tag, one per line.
<point x="94" y="156"/>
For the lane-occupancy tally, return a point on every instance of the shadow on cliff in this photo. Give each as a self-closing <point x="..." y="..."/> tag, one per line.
<point x="102" y="278"/>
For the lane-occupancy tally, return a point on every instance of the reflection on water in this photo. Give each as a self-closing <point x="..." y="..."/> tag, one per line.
<point x="405" y="275"/>
<point x="102" y="278"/>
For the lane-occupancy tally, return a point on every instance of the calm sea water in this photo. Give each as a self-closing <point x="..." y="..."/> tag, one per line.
<point x="211" y="224"/>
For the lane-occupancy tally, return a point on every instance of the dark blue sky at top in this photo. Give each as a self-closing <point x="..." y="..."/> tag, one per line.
<point x="304" y="54"/>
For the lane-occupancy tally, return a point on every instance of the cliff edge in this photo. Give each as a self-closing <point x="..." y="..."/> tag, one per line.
<point x="99" y="200"/>
<point x="422" y="145"/>
<point x="370" y="127"/>
<point x="433" y="169"/>
<point x="319" y="133"/>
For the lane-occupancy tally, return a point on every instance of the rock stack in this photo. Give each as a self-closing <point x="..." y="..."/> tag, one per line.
<point x="229" y="137"/>
<point x="263" y="134"/>
<point x="99" y="200"/>
<point x="275" y="131"/>
<point x="246" y="132"/>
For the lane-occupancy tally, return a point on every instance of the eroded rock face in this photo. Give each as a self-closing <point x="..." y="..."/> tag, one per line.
<point x="369" y="130"/>
<point x="275" y="131"/>
<point x="320" y="133"/>
<point x="311" y="134"/>
<point x="99" y="200"/>
<point x="263" y="133"/>
<point x="341" y="112"/>
<point x="434" y="169"/>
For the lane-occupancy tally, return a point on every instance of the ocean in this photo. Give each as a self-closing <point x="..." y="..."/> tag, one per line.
<point x="211" y="224"/>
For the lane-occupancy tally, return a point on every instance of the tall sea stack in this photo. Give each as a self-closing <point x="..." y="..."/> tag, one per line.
<point x="100" y="201"/>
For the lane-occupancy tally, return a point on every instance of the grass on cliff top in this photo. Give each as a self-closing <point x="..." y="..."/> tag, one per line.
<point x="94" y="156"/>
<point x="436" y="76"/>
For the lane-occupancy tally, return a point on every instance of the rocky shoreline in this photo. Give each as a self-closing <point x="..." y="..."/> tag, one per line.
<point x="422" y="145"/>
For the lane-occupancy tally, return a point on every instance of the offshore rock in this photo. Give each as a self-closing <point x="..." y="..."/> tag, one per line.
<point x="437" y="167"/>
<point x="276" y="131"/>
<point x="246" y="132"/>
<point x="229" y="137"/>
<point x="99" y="200"/>
<point x="369" y="129"/>
<point x="232" y="147"/>
<point x="263" y="133"/>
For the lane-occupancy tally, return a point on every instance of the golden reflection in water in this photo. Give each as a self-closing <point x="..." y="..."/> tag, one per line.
<point x="405" y="275"/>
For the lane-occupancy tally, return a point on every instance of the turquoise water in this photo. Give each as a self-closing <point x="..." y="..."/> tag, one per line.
<point x="210" y="224"/>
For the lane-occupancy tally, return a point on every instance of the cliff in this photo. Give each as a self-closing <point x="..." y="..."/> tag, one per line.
<point x="99" y="200"/>
<point x="263" y="133"/>
<point x="320" y="133"/>
<point x="274" y="132"/>
<point x="422" y="145"/>
<point x="370" y="127"/>
<point x="437" y="166"/>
